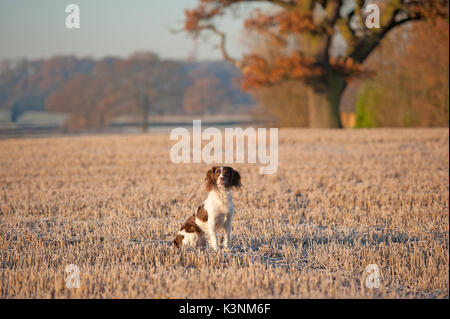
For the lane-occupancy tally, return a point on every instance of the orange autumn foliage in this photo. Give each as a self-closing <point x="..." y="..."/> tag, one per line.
<point x="305" y="31"/>
<point x="297" y="17"/>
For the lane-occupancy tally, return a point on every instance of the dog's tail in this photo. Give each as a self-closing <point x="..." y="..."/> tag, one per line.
<point x="178" y="240"/>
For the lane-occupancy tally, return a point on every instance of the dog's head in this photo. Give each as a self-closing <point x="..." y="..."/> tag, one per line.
<point x="222" y="177"/>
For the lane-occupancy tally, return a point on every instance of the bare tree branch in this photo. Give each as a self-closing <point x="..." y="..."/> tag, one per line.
<point x="366" y="46"/>
<point x="289" y="4"/>
<point x="222" y="45"/>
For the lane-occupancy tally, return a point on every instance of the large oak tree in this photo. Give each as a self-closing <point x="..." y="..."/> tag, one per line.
<point x="313" y="25"/>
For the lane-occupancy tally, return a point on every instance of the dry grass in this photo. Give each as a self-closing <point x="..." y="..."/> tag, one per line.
<point x="340" y="200"/>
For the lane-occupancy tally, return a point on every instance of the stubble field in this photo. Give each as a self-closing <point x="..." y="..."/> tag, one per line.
<point x="340" y="201"/>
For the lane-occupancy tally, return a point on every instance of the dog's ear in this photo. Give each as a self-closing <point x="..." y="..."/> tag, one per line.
<point x="210" y="179"/>
<point x="235" y="179"/>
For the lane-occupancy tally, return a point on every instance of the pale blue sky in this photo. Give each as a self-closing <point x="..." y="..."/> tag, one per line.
<point x="36" y="28"/>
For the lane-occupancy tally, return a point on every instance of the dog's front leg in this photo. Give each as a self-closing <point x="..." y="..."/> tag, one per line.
<point x="212" y="236"/>
<point x="226" y="240"/>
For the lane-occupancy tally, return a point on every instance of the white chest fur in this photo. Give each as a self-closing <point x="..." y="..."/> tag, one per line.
<point x="219" y="206"/>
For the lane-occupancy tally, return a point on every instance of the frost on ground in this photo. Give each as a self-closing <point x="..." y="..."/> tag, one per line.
<point x="340" y="201"/>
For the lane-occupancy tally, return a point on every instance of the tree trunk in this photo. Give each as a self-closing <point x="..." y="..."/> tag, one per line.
<point x="145" y="112"/>
<point x="323" y="103"/>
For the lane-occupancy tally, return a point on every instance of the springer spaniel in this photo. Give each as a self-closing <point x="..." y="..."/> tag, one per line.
<point x="215" y="213"/>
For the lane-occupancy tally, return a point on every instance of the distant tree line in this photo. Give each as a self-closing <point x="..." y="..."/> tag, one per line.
<point x="93" y="92"/>
<point x="24" y="85"/>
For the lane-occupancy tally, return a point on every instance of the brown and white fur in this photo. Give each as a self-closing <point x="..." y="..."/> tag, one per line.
<point x="215" y="213"/>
